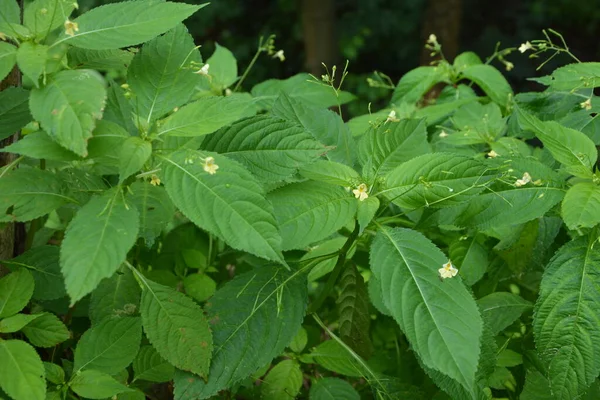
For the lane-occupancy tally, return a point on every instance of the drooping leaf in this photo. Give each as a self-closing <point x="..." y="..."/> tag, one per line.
<point x="439" y="318"/>
<point x="223" y="69"/>
<point x="16" y="322"/>
<point x="46" y="331"/>
<point x="96" y="385"/>
<point x="471" y="258"/>
<point x="15" y="291"/>
<point x="310" y="211"/>
<point x="415" y="83"/>
<point x="500" y="309"/>
<point x="331" y="172"/>
<point x="284" y="380"/>
<point x="68" y="107"/>
<point x="150" y="366"/>
<point x="21" y="371"/>
<point x="109" y="346"/>
<point x="245" y="219"/>
<point x="135" y="152"/>
<point x="271" y="148"/>
<point x="96" y="242"/>
<point x="581" y="206"/>
<point x="8" y="58"/>
<point x="40" y="145"/>
<point x="160" y="75"/>
<point x="332" y="389"/>
<point x="114" y="26"/>
<point x="14" y="110"/>
<point x="176" y="327"/>
<point x="491" y="81"/>
<point x="565" y="324"/>
<point x="31" y="59"/>
<point x="43" y="16"/>
<point x="155" y="208"/>
<point x="266" y="303"/>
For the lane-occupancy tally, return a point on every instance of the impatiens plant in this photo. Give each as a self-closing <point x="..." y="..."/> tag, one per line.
<point x="188" y="239"/>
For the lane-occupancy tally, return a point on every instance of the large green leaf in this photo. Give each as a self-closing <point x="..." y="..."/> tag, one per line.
<point x="29" y="193"/>
<point x="46" y="331"/>
<point x="581" y="206"/>
<point x="109" y="346"/>
<point x="414" y="84"/>
<point x="68" y="107"/>
<point x="135" y="152"/>
<point x="160" y="75"/>
<point x="439" y="318"/>
<point x="310" y="211"/>
<point x="268" y="304"/>
<point x="284" y="380"/>
<point x="206" y="115"/>
<point x="118" y="109"/>
<point x="102" y="60"/>
<point x="21" y="371"/>
<point x="105" y="147"/>
<point x="16" y="322"/>
<point x="155" y="207"/>
<point x="115" y="297"/>
<point x="176" y="327"/>
<point x="333" y="389"/>
<point x="223" y="69"/>
<point x="14" y="110"/>
<point x="40" y="145"/>
<point x="10" y="12"/>
<point x="500" y="309"/>
<point x="96" y="385"/>
<point x="113" y="26"/>
<point x="43" y="16"/>
<point x="438" y="179"/>
<point x="566" y="325"/>
<point x="392" y="143"/>
<point x="31" y="59"/>
<point x="491" y="81"/>
<point x="96" y="242"/>
<point x="15" y="291"/>
<point x="271" y="148"/>
<point x="575" y="76"/>
<point x="150" y="366"/>
<point x="324" y="125"/>
<point x="229" y="203"/>
<point x="8" y="58"/>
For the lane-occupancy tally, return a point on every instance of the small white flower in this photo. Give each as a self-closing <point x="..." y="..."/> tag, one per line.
<point x="524" y="180"/>
<point x="432" y="39"/>
<point x="2" y="36"/>
<point x="228" y="92"/>
<point x="586" y="105"/>
<point x="448" y="270"/>
<point x="525" y="46"/>
<point x="71" y="27"/>
<point x="279" y="54"/>
<point x="210" y="166"/>
<point x="188" y="160"/>
<point x="392" y="117"/>
<point x="155" y="180"/>
<point x="361" y="192"/>
<point x="509" y="66"/>
<point x="493" y="154"/>
<point x="443" y="134"/>
<point x="203" y="70"/>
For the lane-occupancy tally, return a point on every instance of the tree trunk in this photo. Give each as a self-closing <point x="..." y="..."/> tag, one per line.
<point x="442" y="18"/>
<point x="320" y="41"/>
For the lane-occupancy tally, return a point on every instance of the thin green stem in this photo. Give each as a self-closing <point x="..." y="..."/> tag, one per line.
<point x="249" y="67"/>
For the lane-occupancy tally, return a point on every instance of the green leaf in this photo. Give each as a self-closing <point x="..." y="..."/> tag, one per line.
<point x="270" y="148"/>
<point x="415" y="83"/>
<point x="366" y="212"/>
<point x="21" y="371"/>
<point x="283" y="381"/>
<point x="332" y="389"/>
<point x="536" y="386"/>
<point x="565" y="325"/>
<point x="134" y="154"/>
<point x="150" y="366"/>
<point x="501" y="309"/>
<point x="31" y="59"/>
<point x="491" y="81"/>
<point x="471" y="258"/>
<point x="200" y="287"/>
<point x="14" y="110"/>
<point x="383" y="149"/>
<point x="68" y="107"/>
<point x="54" y="373"/>
<point x="115" y="297"/>
<point x="333" y="357"/>
<point x="465" y="60"/>
<point x="46" y="331"/>
<point x="324" y="125"/>
<point x="160" y="75"/>
<point x="109" y="346"/>
<point x="299" y="341"/>
<point x="206" y="115"/>
<point x="96" y="242"/>
<point x="223" y="69"/>
<point x="40" y="145"/>
<point x="439" y="318"/>
<point x="15" y="291"/>
<point x="104" y="147"/>
<point x="43" y="16"/>
<point x="118" y="109"/>
<point x="102" y="60"/>
<point x="509" y="358"/>
<point x="436" y="180"/>
<point x="376" y="296"/>
<point x="310" y="211"/>
<point x="176" y="327"/>
<point x="155" y="207"/>
<point x="331" y="172"/>
<point x="113" y="26"/>
<point x="353" y="309"/>
<point x="581" y="206"/>
<point x="575" y="76"/>
<point x="16" y="322"/>
<point x="267" y="303"/>
<point x="8" y="58"/>
<point x="10" y="12"/>
<point x="245" y="219"/>
<point x="96" y="385"/>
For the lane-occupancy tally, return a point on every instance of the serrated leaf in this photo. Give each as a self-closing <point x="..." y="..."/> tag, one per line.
<point x="324" y="125"/>
<point x="21" y="371"/>
<point x="436" y="180"/>
<point x="332" y="389"/>
<point x="40" y="145"/>
<point x="109" y="346"/>
<point x="46" y="331"/>
<point x="135" y="152"/>
<point x="565" y="325"/>
<point x="223" y="67"/>
<point x="491" y="81"/>
<point x="160" y="75"/>
<point x="96" y="242"/>
<point x="176" y="327"/>
<point x="150" y="366"/>
<point x="16" y="322"/>
<point x="113" y="26"/>
<point x="414" y="84"/>
<point x="8" y="58"/>
<point x="331" y="172"/>
<point x="366" y="212"/>
<point x="386" y="147"/>
<point x="206" y="115"/>
<point x="104" y="147"/>
<point x="267" y="303"/>
<point x="200" y="287"/>
<point x="96" y="385"/>
<point x="500" y="309"/>
<point x="470" y="257"/>
<point x="31" y="59"/>
<point x="54" y="373"/>
<point x="43" y="16"/>
<point x="118" y="109"/>
<point x="581" y="206"/>
<point x="376" y="296"/>
<point x="333" y="357"/>
<point x="102" y="60"/>
<point x="353" y="309"/>
<point x="574" y="76"/>
<point x="245" y="219"/>
<point x="115" y="297"/>
<point x="14" y="110"/>
<point x="15" y="291"/>
<point x="155" y="208"/>
<point x="439" y="318"/>
<point x="68" y="107"/>
<point x="283" y="381"/>
<point x="270" y="148"/>
<point x="310" y="211"/>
